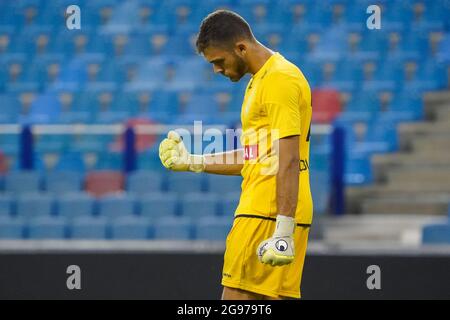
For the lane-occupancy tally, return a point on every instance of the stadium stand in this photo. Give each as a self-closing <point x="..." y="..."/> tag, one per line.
<point x="134" y="60"/>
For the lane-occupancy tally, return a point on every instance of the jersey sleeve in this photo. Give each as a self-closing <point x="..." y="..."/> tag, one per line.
<point x="282" y="100"/>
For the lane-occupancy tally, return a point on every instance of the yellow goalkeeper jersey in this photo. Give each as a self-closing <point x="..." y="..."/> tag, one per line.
<point x="277" y="104"/>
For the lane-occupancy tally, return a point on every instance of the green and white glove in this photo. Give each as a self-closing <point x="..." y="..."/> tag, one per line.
<point x="174" y="156"/>
<point x="279" y="249"/>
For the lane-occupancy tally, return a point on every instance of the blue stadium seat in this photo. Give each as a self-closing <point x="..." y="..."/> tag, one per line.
<point x="111" y="116"/>
<point x="47" y="228"/>
<point x="112" y="206"/>
<point x="109" y="161"/>
<point x="155" y="205"/>
<point x="442" y="55"/>
<point x="63" y="181"/>
<point x="90" y="143"/>
<point x="181" y="43"/>
<point x="153" y="72"/>
<point x="230" y="202"/>
<point x="88" y="228"/>
<point x="181" y="182"/>
<point x="73" y="205"/>
<point x="383" y="131"/>
<point x="170" y="228"/>
<point x="255" y="13"/>
<point x="22" y="182"/>
<point x="10" y="108"/>
<point x="74" y="42"/>
<point x="184" y="79"/>
<point x="50" y="143"/>
<point x="436" y="234"/>
<point x="222" y="184"/>
<point x="11" y="228"/>
<point x="213" y="228"/>
<point x="6" y="205"/>
<point x="149" y="160"/>
<point x="45" y="68"/>
<point x="196" y="205"/>
<point x="6" y="33"/>
<point x="71" y="161"/>
<point x="35" y="205"/>
<point x="358" y="170"/>
<point x="203" y="105"/>
<point x="367" y="101"/>
<point x="320" y="194"/>
<point x="141" y="182"/>
<point x="136" y="228"/>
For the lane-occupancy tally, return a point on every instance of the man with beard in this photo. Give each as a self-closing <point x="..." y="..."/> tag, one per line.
<point x="265" y="249"/>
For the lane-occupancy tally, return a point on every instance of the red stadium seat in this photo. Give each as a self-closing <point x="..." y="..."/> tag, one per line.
<point x="103" y="182"/>
<point x="143" y="141"/>
<point x="3" y="163"/>
<point x="326" y="105"/>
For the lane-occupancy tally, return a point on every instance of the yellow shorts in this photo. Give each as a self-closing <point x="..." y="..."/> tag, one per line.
<point x="243" y="270"/>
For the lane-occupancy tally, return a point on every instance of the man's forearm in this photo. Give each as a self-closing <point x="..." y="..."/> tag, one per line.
<point x="287" y="176"/>
<point x="226" y="163"/>
<point x="287" y="190"/>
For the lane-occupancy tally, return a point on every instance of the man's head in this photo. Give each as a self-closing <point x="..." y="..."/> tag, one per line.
<point x="224" y="39"/>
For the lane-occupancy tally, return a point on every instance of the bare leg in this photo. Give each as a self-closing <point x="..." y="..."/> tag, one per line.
<point x="272" y="298"/>
<point x="238" y="294"/>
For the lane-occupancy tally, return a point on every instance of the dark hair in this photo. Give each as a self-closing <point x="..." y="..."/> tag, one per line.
<point x="221" y="28"/>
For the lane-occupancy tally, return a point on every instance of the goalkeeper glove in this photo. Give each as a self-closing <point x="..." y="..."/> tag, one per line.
<point x="174" y="156"/>
<point x="279" y="249"/>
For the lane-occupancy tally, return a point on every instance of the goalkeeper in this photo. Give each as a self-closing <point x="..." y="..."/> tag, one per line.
<point x="265" y="249"/>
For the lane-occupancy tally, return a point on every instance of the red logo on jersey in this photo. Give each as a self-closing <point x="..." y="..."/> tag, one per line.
<point x="250" y="152"/>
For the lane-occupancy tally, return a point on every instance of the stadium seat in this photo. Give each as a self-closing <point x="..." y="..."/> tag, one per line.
<point x="154" y="72"/>
<point x="229" y="203"/>
<point x="213" y="228"/>
<point x="436" y="234"/>
<point x="71" y="161"/>
<point x="320" y="194"/>
<point x="183" y="78"/>
<point x="358" y="170"/>
<point x="63" y="182"/>
<point x="169" y="228"/>
<point x="196" y="205"/>
<point x="35" y="205"/>
<point x="116" y="205"/>
<point x="102" y="182"/>
<point x="45" y="109"/>
<point x="11" y="108"/>
<point x="47" y="228"/>
<point x="22" y="182"/>
<point x="149" y="160"/>
<point x="11" y="228"/>
<point x="73" y="205"/>
<point x="6" y="205"/>
<point x="155" y="205"/>
<point x="88" y="228"/>
<point x="141" y="182"/>
<point x="326" y="104"/>
<point x="129" y="227"/>
<point x="178" y="182"/>
<point x="108" y="161"/>
<point x="223" y="184"/>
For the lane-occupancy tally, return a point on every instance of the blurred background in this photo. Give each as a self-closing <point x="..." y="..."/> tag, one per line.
<point x="70" y="169"/>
